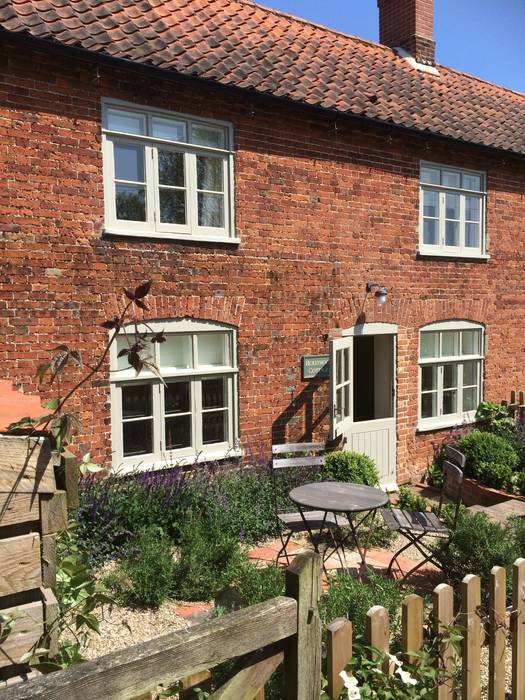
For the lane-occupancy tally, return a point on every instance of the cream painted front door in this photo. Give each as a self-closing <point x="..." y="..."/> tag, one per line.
<point x="362" y="370"/>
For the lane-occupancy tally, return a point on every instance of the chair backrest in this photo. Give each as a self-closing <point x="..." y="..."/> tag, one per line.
<point x="453" y="475"/>
<point x="298" y="454"/>
<point x="294" y="459"/>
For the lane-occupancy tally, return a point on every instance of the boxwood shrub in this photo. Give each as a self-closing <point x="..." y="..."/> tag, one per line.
<point x="349" y="466"/>
<point x="490" y="458"/>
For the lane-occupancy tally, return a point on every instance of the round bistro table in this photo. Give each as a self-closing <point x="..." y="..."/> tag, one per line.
<point x="359" y="504"/>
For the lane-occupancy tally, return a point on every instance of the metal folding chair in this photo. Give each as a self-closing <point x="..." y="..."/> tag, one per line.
<point x="416" y="526"/>
<point x="303" y="457"/>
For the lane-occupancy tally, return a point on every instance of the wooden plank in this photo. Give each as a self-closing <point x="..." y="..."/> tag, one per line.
<point x="443" y="617"/>
<point x="49" y="561"/>
<point x="517" y="621"/>
<point x="190" y="682"/>
<point x="472" y="638"/>
<point x="412" y="626"/>
<point x="67" y="478"/>
<point x="16" y="508"/>
<point x="51" y="611"/>
<point x="246" y="683"/>
<point x="339" y="654"/>
<point x="377" y="633"/>
<point x="298" y="447"/>
<point x="497" y="625"/>
<point x="302" y="661"/>
<point x="21" y="570"/>
<point x="53" y="512"/>
<point x="26" y="632"/>
<point x="164" y="660"/>
<point x="25" y="465"/>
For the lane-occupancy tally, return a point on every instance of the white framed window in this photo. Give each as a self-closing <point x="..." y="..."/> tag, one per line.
<point x="191" y="413"/>
<point x="451" y="355"/>
<point x="452" y="212"/>
<point x="167" y="175"/>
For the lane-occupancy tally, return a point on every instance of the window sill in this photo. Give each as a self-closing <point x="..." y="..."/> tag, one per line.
<point x="211" y="456"/>
<point x="442" y="425"/>
<point x="424" y="252"/>
<point x="179" y="237"/>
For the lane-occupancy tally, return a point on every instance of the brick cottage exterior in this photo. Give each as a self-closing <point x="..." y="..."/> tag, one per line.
<point x="329" y="137"/>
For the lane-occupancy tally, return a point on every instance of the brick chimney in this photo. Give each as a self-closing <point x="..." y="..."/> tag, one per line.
<point x="408" y="24"/>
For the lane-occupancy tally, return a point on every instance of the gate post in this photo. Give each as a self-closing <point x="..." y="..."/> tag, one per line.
<point x="302" y="657"/>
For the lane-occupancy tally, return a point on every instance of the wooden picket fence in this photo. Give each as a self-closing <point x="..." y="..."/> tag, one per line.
<point x="287" y="630"/>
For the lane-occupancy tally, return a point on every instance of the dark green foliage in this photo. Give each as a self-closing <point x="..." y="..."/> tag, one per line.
<point x="482" y="447"/>
<point x="435" y="476"/>
<point x="144" y="577"/>
<point x="408" y="500"/>
<point x="348" y="597"/>
<point x="516" y="528"/>
<point x="256" y="584"/>
<point x="349" y="466"/>
<point x="496" y="476"/>
<point x="209" y="557"/>
<point x="476" y="546"/>
<point x="519" y="483"/>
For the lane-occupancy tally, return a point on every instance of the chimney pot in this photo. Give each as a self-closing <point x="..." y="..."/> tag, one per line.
<point x="408" y="24"/>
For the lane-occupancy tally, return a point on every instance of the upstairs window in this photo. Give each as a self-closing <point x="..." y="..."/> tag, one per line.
<point x="451" y="358"/>
<point x="452" y="212"/>
<point x="189" y="414"/>
<point x="166" y="175"/>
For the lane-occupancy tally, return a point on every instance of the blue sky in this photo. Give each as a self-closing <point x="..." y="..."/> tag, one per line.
<point x="482" y="37"/>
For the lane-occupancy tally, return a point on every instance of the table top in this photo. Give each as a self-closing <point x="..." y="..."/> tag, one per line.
<point x="339" y="497"/>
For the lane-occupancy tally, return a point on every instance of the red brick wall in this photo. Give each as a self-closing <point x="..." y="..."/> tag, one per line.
<point x="323" y="205"/>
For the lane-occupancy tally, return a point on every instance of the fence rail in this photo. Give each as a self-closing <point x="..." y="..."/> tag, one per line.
<point x="287" y="630"/>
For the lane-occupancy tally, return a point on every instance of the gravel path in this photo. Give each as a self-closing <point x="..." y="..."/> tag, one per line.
<point x="122" y="627"/>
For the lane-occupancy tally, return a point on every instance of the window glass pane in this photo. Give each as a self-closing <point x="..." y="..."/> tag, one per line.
<point x="137" y="437"/>
<point x="430" y="203"/>
<point x="452" y="206"/>
<point x="472" y="182"/>
<point x="429" y="378"/>
<point x="450" y="402"/>
<point x="346" y="355"/>
<point x="346" y="409"/>
<point x="472" y="235"/>
<point x="470" y="399"/>
<point x="214" y="393"/>
<point x="176" y="352"/>
<point x="472" y="208"/>
<point x="449" y="343"/>
<point x="470" y="373"/>
<point x="208" y="135"/>
<point x="209" y="173"/>
<point x="471" y="342"/>
<point x="172" y="206"/>
<point x="214" y="427"/>
<point x="430" y="232"/>
<point x="171" y="168"/>
<point x="127" y="122"/>
<point x="136" y="400"/>
<point x="129" y="162"/>
<point x="450" y="178"/>
<point x="430" y="176"/>
<point x="122" y="342"/>
<point x="452" y="233"/>
<point x="212" y="349"/>
<point x="211" y="210"/>
<point x="429" y="344"/>
<point x="178" y="432"/>
<point x="168" y="129"/>
<point x="177" y="397"/>
<point x="130" y="202"/>
<point x="429" y="405"/>
<point x="450" y="376"/>
<point x="339" y="405"/>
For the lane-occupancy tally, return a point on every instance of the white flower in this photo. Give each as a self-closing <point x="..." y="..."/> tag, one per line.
<point x="394" y="660"/>
<point x="406" y="677"/>
<point x="351" y="685"/>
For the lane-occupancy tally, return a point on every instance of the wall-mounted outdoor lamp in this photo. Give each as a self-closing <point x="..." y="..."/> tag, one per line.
<point x="380" y="294"/>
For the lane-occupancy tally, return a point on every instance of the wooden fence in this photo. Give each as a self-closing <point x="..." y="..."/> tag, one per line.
<point x="287" y="630"/>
